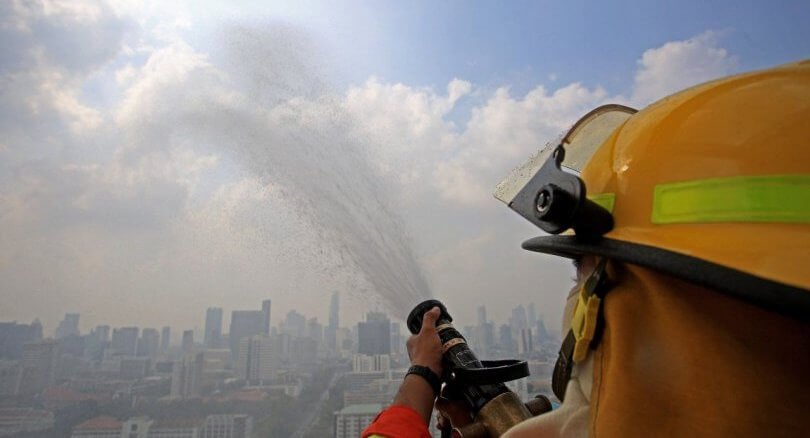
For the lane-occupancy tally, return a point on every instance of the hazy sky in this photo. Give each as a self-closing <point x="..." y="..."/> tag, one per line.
<point x="158" y="158"/>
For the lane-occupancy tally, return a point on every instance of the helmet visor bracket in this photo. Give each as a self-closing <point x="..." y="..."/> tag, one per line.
<point x="546" y="189"/>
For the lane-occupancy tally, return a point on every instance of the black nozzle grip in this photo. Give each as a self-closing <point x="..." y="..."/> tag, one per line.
<point x="415" y="317"/>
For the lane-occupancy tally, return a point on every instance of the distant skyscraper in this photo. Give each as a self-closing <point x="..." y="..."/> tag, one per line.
<point x="213" y="327"/>
<point x="187" y="376"/>
<point x="266" y="305"/>
<point x="69" y="326"/>
<point x="315" y="330"/>
<point x="541" y="333"/>
<point x="102" y="333"/>
<point x="330" y="333"/>
<point x="506" y="341"/>
<point x="253" y="363"/>
<point x="244" y="323"/>
<point x="374" y="335"/>
<point x="149" y="342"/>
<point x="334" y="310"/>
<point x="482" y="315"/>
<point x="519" y="320"/>
<point x="13" y="336"/>
<point x="532" y="315"/>
<point x="165" y="337"/>
<point x="363" y="363"/>
<point x="487" y="337"/>
<point x="295" y="324"/>
<point x="38" y="366"/>
<point x="125" y="341"/>
<point x="188" y="341"/>
<point x="228" y="426"/>
<point x="525" y="342"/>
<point x="397" y="343"/>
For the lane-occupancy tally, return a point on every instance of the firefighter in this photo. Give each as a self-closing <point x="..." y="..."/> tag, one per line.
<point x="691" y="314"/>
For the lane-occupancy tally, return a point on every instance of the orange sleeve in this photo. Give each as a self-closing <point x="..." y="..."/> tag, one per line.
<point x="398" y="422"/>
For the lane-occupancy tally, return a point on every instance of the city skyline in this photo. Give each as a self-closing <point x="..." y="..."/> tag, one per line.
<point x="200" y="332"/>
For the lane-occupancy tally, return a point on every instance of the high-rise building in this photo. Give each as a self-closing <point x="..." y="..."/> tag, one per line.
<point x="315" y="330"/>
<point x="13" y="336"/>
<point x="518" y="321"/>
<point x="364" y="363"/>
<point x="525" y="343"/>
<point x="541" y="332"/>
<point x="482" y="315"/>
<point x="374" y="335"/>
<point x="149" y="342"/>
<point x="295" y="324"/>
<point x="487" y="336"/>
<point x="9" y="377"/>
<point x="532" y="315"/>
<point x="228" y="426"/>
<point x="125" y="341"/>
<point x="96" y="342"/>
<point x="188" y="341"/>
<point x="38" y="366"/>
<point x="244" y="323"/>
<point x="165" y="337"/>
<point x="266" y="305"/>
<point x="213" y="327"/>
<point x="101" y="333"/>
<point x="505" y="339"/>
<point x="397" y="341"/>
<point x="254" y="361"/>
<point x="187" y="376"/>
<point x="69" y="326"/>
<point x="351" y="420"/>
<point x="330" y="332"/>
<point x="334" y="310"/>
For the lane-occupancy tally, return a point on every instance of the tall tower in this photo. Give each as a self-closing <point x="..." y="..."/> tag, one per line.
<point x="334" y="310"/>
<point x="125" y="341"/>
<point x="266" y="311"/>
<point x="532" y="315"/>
<point x="244" y="323"/>
<point x="330" y="333"/>
<point x="39" y="360"/>
<point x="69" y="326"/>
<point x="188" y="341"/>
<point x="165" y="336"/>
<point x="213" y="327"/>
<point x="374" y="335"/>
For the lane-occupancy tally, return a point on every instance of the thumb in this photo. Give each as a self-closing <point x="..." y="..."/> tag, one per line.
<point x="430" y="317"/>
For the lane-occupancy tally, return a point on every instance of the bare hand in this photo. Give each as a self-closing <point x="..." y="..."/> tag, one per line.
<point x="425" y="348"/>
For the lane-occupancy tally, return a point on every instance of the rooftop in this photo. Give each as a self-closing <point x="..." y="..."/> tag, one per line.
<point x="100" y="423"/>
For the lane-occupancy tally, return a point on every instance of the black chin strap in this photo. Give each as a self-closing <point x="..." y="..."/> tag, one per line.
<point x="596" y="284"/>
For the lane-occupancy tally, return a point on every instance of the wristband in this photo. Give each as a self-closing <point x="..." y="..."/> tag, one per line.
<point x="427" y="374"/>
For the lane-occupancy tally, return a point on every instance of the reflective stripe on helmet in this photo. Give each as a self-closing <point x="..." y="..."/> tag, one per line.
<point x="770" y="198"/>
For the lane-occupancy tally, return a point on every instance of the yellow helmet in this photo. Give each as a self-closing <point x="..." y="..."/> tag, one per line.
<point x="711" y="185"/>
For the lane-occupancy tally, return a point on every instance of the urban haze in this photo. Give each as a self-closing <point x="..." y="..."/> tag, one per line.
<point x="214" y="217"/>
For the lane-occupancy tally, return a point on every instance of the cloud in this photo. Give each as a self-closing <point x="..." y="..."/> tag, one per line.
<point x="221" y="178"/>
<point x="680" y="64"/>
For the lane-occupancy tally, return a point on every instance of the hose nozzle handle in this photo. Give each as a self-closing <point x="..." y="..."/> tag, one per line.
<point x="415" y="317"/>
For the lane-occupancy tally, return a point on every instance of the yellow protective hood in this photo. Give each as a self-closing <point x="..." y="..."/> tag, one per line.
<point x="676" y="359"/>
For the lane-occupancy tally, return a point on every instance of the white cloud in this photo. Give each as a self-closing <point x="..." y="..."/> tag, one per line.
<point x="680" y="64"/>
<point x="194" y="169"/>
<point x="415" y="141"/>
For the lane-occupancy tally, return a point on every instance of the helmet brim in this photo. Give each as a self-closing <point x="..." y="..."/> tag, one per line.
<point x="785" y="299"/>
